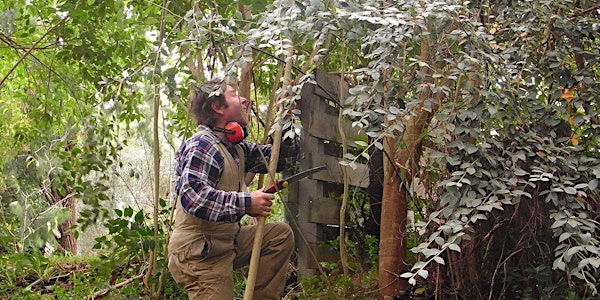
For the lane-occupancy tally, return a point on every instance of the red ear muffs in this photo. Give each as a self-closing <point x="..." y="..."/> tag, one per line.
<point x="234" y="132"/>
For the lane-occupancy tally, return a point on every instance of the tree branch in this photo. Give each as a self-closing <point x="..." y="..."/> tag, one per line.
<point x="14" y="67"/>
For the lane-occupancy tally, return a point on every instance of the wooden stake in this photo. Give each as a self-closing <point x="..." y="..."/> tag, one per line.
<point x="260" y="226"/>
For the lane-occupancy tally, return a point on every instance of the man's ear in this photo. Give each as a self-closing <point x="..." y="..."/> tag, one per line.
<point x="217" y="108"/>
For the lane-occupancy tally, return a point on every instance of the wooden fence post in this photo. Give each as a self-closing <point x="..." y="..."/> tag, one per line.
<point x="312" y="208"/>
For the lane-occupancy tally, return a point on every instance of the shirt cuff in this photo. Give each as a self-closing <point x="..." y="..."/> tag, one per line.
<point x="247" y="202"/>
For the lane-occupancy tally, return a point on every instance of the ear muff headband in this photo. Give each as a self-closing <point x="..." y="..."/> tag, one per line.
<point x="234" y="132"/>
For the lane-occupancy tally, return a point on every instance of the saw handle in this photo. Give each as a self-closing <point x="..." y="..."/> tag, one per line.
<point x="279" y="185"/>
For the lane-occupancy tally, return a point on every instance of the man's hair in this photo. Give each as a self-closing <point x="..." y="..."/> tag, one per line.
<point x="202" y="98"/>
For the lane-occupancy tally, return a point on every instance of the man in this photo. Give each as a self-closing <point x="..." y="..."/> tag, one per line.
<point x="208" y="242"/>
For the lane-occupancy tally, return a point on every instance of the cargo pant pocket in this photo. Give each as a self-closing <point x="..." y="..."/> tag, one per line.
<point x="197" y="250"/>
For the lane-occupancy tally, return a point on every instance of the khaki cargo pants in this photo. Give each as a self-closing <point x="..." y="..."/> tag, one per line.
<point x="205" y="267"/>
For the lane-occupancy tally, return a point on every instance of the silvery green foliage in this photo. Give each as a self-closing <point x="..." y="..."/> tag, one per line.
<point x="501" y="139"/>
<point x="480" y="140"/>
<point x="494" y="88"/>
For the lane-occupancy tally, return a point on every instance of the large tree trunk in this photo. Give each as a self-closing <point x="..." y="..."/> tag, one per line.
<point x="395" y="194"/>
<point x="392" y="250"/>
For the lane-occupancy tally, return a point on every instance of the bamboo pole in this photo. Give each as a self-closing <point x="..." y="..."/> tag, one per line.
<point x="156" y="158"/>
<point x="260" y="226"/>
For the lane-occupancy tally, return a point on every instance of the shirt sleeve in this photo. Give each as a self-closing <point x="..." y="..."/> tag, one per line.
<point x="258" y="156"/>
<point x="199" y="169"/>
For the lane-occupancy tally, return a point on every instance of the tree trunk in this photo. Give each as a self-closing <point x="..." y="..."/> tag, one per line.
<point x="394" y="207"/>
<point x="67" y="240"/>
<point x="392" y="250"/>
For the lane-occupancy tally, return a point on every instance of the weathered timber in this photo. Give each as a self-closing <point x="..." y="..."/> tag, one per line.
<point x="313" y="213"/>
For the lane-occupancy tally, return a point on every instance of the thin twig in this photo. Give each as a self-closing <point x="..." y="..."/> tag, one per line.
<point x="119" y="285"/>
<point x="22" y="58"/>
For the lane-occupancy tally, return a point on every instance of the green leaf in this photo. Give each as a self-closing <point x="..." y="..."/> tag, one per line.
<point x="471" y="149"/>
<point x="564" y="236"/>
<point x="430" y="252"/>
<point x="128" y="212"/>
<point x="170" y="72"/>
<point x="559" y="223"/>
<point x="16" y="208"/>
<point x="418" y="265"/>
<point x="477" y="217"/>
<point x="569" y="254"/>
<point x="586" y="237"/>
<point x="592" y="249"/>
<point x="423" y="273"/>
<point x="520" y="172"/>
<point x="139" y="217"/>
<point x="558" y="264"/>
<point x="454" y="247"/>
<point x="593" y="184"/>
<point x="361" y="143"/>
<point x="570" y="190"/>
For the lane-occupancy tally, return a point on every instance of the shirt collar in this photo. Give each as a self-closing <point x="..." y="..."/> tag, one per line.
<point x="206" y="128"/>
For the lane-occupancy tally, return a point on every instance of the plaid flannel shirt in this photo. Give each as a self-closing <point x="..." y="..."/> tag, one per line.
<point x="199" y="166"/>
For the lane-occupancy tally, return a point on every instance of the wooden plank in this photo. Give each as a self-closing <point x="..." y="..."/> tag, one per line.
<point x="307" y="230"/>
<point x="325" y="126"/>
<point x="358" y="177"/>
<point x="308" y="106"/>
<point x="324" y="211"/>
<point x="305" y="189"/>
<point x="322" y="125"/>
<point x="329" y="86"/>
<point x="313" y="218"/>
<point x="319" y="118"/>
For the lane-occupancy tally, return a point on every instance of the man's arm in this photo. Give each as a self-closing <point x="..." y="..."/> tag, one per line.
<point x="258" y="156"/>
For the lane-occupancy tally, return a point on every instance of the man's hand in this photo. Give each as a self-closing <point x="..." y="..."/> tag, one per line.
<point x="261" y="203"/>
